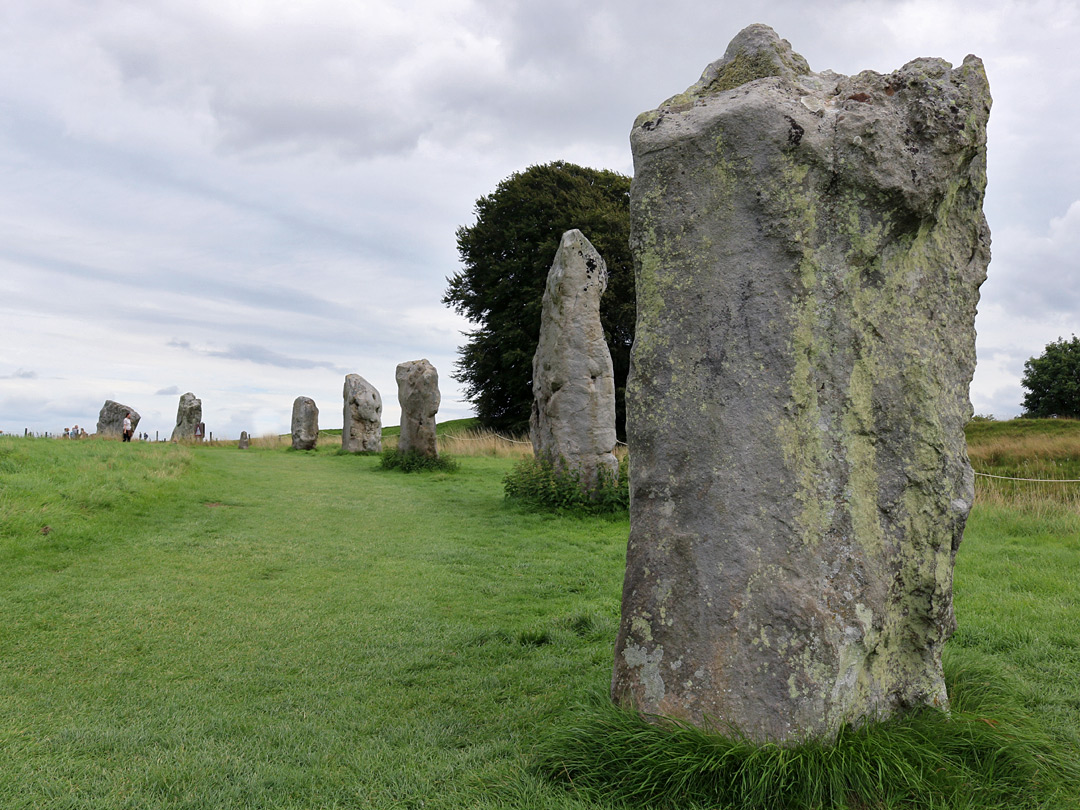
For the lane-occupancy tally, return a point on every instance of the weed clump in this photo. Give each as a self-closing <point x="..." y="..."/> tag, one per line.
<point x="416" y="462"/>
<point x="539" y="484"/>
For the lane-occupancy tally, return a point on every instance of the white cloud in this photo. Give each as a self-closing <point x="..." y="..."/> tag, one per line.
<point x="1038" y="270"/>
<point x="245" y="199"/>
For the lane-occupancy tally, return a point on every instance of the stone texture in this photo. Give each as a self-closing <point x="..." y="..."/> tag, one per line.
<point x="110" y="424"/>
<point x="305" y="424"/>
<point x="362" y="427"/>
<point x="245" y="440"/>
<point x="809" y="250"/>
<point x="573" y="414"/>
<point x="188" y="417"/>
<point x="418" y="395"/>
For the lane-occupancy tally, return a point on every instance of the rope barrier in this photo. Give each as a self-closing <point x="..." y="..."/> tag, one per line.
<point x="460" y="437"/>
<point x="512" y="441"/>
<point x="1034" y="480"/>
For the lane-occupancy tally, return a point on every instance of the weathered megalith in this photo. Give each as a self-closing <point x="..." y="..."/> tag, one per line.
<point x="573" y="414"/>
<point x="305" y="424"/>
<point x="362" y="429"/>
<point x="245" y="440"/>
<point x="808" y="249"/>
<point x="188" y="417"/>
<point x="418" y="395"/>
<point x="110" y="423"/>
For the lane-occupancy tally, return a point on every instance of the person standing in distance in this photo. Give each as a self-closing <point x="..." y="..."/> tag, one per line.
<point x="127" y="427"/>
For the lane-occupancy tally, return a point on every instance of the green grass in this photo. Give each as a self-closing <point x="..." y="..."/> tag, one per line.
<point x="987" y="753"/>
<point x="979" y="431"/>
<point x="206" y="627"/>
<point x="280" y="629"/>
<point x="451" y="427"/>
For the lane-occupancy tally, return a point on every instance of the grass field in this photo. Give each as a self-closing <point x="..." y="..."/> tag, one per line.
<point x="200" y="627"/>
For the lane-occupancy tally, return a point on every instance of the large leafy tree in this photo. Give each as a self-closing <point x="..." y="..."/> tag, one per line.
<point x="1052" y="380"/>
<point x="505" y="259"/>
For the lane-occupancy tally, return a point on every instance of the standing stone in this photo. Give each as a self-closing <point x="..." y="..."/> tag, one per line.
<point x="418" y="395"/>
<point x="245" y="441"/>
<point x="362" y="428"/>
<point x="808" y="249"/>
<point x="110" y="424"/>
<point x="305" y="424"/>
<point x="188" y="417"/>
<point x="573" y="414"/>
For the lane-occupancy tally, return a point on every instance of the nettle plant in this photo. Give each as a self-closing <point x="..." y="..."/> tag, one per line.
<point x="540" y="484"/>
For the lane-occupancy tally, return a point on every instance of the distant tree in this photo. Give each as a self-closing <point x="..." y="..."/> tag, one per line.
<point x="505" y="259"/>
<point x="1052" y="380"/>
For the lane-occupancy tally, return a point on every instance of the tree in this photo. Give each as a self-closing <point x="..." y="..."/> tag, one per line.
<point x="506" y="256"/>
<point x="1052" y="380"/>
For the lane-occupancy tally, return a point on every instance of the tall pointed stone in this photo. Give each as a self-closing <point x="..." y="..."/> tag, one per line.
<point x="573" y="415"/>
<point x="188" y="417"/>
<point x="305" y="424"/>
<point x="418" y="395"/>
<point x="362" y="425"/>
<point x="809" y="249"/>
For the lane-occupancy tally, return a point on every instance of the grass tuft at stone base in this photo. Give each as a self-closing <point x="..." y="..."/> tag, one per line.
<point x="416" y="462"/>
<point x="988" y="753"/>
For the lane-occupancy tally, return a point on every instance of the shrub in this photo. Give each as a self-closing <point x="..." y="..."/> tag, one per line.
<point x="540" y="484"/>
<point x="416" y="462"/>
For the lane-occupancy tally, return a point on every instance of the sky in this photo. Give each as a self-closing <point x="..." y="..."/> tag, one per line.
<point x="249" y="199"/>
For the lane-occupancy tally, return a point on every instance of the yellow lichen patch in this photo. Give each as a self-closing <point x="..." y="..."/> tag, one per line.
<point x="742" y="69"/>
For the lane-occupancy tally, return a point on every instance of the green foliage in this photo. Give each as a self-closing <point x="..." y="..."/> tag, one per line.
<point x="1052" y="380"/>
<point x="539" y="484"/>
<point x="413" y="461"/>
<point x="506" y="256"/>
<point x="987" y="753"/>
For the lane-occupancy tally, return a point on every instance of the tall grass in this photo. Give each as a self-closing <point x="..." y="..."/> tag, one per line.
<point x="479" y="442"/>
<point x="1031" y="465"/>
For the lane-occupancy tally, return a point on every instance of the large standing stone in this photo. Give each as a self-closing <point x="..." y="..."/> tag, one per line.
<point x="809" y="250"/>
<point x="418" y="395"/>
<point x="245" y="440"/>
<point x="110" y="424"/>
<point x="188" y="417"/>
<point x="305" y="424"/>
<point x="573" y="413"/>
<point x="362" y="429"/>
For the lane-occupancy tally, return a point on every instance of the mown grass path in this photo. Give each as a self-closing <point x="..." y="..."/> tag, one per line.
<point x="279" y="629"/>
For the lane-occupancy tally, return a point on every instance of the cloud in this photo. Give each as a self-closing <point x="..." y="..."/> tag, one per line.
<point x="203" y="191"/>
<point x="172" y="390"/>
<point x="260" y="355"/>
<point x="1038" y="270"/>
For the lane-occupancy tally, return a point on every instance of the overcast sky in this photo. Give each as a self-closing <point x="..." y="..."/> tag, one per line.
<point x="249" y="199"/>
